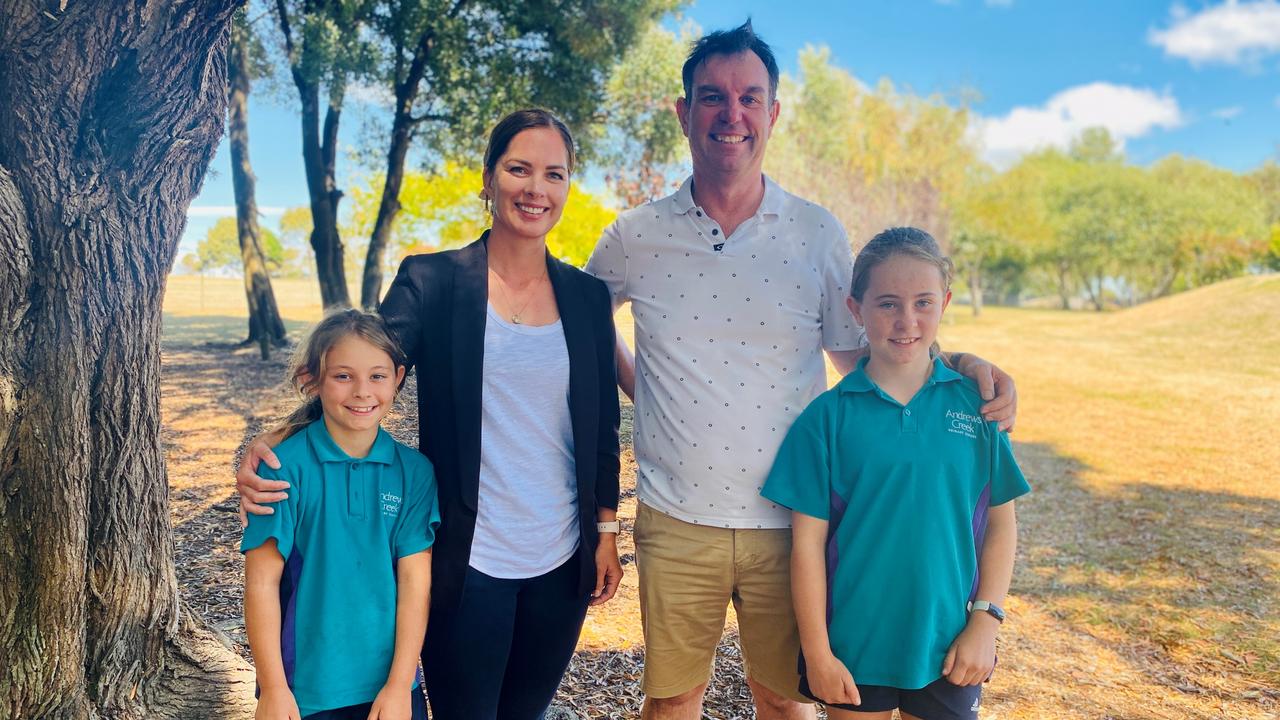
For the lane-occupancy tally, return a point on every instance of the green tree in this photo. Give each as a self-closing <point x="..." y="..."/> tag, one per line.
<point x="641" y="137"/>
<point x="219" y="249"/>
<point x="455" y="66"/>
<point x="874" y="157"/>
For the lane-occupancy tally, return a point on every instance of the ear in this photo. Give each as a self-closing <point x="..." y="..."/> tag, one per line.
<point x="399" y="376"/>
<point x="946" y="300"/>
<point x="773" y="114"/>
<point x="682" y="108"/>
<point x="855" y="307"/>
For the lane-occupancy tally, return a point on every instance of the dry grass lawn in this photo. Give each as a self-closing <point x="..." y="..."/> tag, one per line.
<point x="1149" y="564"/>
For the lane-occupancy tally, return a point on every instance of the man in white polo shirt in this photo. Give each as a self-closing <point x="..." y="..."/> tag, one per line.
<point x="737" y="288"/>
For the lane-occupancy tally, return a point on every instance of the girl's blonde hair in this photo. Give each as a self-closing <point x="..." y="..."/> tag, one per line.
<point x="907" y="241"/>
<point x="307" y="368"/>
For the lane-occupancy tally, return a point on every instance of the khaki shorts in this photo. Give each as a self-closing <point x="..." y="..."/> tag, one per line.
<point x="688" y="576"/>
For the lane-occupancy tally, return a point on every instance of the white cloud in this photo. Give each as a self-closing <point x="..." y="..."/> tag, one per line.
<point x="1233" y="33"/>
<point x="1126" y="112"/>
<point x="217" y="211"/>
<point x="1228" y="113"/>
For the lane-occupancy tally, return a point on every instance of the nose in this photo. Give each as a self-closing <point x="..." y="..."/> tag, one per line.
<point x="731" y="113"/>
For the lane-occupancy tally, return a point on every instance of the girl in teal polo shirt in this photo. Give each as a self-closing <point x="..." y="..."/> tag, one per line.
<point x="337" y="578"/>
<point x="902" y="498"/>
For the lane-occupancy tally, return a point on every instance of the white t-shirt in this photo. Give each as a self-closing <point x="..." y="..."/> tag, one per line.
<point x="729" y="335"/>
<point x="527" y="515"/>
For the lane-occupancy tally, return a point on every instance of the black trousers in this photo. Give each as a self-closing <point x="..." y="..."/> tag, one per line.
<point x="503" y="651"/>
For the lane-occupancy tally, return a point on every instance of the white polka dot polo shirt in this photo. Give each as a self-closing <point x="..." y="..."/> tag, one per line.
<point x="729" y="339"/>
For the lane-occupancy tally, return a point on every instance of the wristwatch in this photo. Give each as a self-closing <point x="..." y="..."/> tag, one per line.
<point x="611" y="526"/>
<point x="989" y="608"/>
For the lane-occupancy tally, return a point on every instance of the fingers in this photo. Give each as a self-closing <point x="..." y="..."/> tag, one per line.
<point x="851" y="690"/>
<point x="986" y="381"/>
<point x="1003" y="409"/>
<point x="252" y="509"/>
<point x="267" y="455"/>
<point x="949" y="662"/>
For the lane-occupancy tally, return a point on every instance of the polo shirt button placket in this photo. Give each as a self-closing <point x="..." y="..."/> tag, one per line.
<point x="355" y="499"/>
<point x="908" y="421"/>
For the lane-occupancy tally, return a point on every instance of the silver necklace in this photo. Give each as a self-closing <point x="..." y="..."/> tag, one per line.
<point x="506" y="299"/>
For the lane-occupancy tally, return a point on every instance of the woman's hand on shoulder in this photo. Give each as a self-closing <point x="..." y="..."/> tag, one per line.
<point x="255" y="491"/>
<point x="831" y="681"/>
<point x="608" y="569"/>
<point x="277" y="704"/>
<point x="972" y="655"/>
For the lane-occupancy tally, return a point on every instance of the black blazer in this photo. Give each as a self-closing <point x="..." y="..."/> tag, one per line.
<point x="436" y="308"/>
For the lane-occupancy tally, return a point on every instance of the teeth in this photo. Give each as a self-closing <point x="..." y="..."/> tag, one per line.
<point x="729" y="139"/>
<point x="531" y="210"/>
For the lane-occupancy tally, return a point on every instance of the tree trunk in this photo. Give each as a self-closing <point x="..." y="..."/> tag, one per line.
<point x="975" y="287"/>
<point x="319" y="152"/>
<point x="402" y="127"/>
<point x="113" y="111"/>
<point x="265" y="326"/>
<point x="401" y="136"/>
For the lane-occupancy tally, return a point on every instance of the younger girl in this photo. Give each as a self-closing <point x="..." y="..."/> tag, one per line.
<point x="903" y="523"/>
<point x="337" y="579"/>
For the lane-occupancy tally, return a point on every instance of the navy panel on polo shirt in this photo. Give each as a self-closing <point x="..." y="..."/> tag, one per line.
<point x="906" y="489"/>
<point x="345" y="523"/>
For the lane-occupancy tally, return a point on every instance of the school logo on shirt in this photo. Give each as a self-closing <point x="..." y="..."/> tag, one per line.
<point x="390" y="505"/>
<point x="962" y="423"/>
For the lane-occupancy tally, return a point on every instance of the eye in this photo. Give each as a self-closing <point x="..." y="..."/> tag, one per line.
<point x="342" y="376"/>
<point x="887" y="305"/>
<point x="711" y="98"/>
<point x="750" y="100"/>
<point x="379" y="376"/>
<point x="518" y="170"/>
<point x="556" y="175"/>
<point x="923" y="303"/>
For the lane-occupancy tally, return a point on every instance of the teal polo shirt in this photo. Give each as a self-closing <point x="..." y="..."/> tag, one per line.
<point x="345" y="523"/>
<point x="905" y="490"/>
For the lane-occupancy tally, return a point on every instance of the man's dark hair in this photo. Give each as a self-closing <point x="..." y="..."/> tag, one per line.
<point x="730" y="42"/>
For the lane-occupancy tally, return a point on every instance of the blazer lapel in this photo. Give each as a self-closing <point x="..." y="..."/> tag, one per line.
<point x="470" y="302"/>
<point x="583" y="401"/>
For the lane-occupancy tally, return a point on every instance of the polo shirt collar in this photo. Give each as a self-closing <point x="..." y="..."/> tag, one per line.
<point x="326" y="450"/>
<point x="857" y="381"/>
<point x="770" y="204"/>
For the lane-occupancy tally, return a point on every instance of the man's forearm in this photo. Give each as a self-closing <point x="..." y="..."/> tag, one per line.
<point x="626" y="368"/>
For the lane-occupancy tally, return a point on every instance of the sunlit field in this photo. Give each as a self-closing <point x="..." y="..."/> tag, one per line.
<point x="1149" y="559"/>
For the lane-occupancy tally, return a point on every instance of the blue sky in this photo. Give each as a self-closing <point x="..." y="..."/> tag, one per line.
<point x="1199" y="79"/>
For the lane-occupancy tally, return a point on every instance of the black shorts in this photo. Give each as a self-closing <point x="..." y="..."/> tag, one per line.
<point x="417" y="703"/>
<point x="939" y="700"/>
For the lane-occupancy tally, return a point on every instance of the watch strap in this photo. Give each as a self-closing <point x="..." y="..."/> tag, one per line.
<point x="609" y="526"/>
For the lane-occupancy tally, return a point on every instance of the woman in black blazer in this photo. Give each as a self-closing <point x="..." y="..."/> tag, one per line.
<point x="518" y="412"/>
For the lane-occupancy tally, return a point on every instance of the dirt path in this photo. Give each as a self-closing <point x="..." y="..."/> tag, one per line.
<point x="215" y="397"/>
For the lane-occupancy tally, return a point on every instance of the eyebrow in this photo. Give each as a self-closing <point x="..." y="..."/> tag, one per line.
<point x="350" y="367"/>
<point x="891" y="296"/>
<point x="529" y="164"/>
<point x="753" y="90"/>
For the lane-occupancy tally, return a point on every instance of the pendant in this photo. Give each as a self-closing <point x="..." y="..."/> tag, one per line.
<point x="515" y="318"/>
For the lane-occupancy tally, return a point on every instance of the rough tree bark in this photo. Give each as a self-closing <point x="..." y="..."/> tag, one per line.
<point x="319" y="158"/>
<point x="266" y="329"/>
<point x="112" y="113"/>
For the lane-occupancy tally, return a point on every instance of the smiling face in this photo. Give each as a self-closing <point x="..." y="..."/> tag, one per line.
<point x="730" y="116"/>
<point x="357" y="387"/>
<point x="529" y="184"/>
<point x="901" y="308"/>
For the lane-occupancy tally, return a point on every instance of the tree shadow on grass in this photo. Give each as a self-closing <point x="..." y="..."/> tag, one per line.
<point x="196" y="330"/>
<point x="1181" y="581"/>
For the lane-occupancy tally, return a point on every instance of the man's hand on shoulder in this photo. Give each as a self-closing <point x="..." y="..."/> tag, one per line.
<point x="254" y="490"/>
<point x="995" y="385"/>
